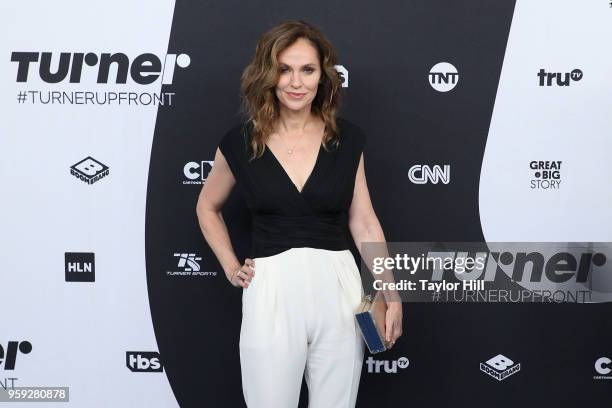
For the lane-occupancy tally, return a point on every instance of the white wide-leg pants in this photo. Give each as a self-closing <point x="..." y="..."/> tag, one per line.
<point x="298" y="319"/>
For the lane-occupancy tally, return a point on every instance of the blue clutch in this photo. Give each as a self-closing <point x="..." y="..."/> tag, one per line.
<point x="370" y="316"/>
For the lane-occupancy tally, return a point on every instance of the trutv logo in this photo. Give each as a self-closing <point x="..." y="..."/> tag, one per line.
<point x="143" y="361"/>
<point x="560" y="79"/>
<point x="8" y="356"/>
<point x="387" y="366"/>
<point x="143" y="69"/>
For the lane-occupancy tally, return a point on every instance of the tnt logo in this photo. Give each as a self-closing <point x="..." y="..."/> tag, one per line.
<point x="500" y="367"/>
<point x="343" y="75"/>
<point x="196" y="173"/>
<point x="79" y="267"/>
<point x="603" y="367"/>
<point x="9" y="357"/>
<point x="423" y="174"/>
<point x="89" y="170"/>
<point x="547" y="78"/>
<point x="143" y="361"/>
<point x="443" y="77"/>
<point x="389" y="367"/>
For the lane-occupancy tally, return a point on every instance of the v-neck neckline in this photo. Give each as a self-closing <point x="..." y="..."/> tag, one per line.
<point x="288" y="178"/>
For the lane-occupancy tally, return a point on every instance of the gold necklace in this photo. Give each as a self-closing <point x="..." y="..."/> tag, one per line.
<point x="290" y="151"/>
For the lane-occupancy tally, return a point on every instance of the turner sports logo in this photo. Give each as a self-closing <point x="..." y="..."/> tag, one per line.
<point x="80" y="266"/>
<point x="500" y="367"/>
<point x="565" y="79"/>
<point x="188" y="265"/>
<point x="387" y="366"/>
<point x="8" y="356"/>
<point x="143" y="69"/>
<point x="143" y="361"/>
<point x="196" y="173"/>
<point x="89" y="170"/>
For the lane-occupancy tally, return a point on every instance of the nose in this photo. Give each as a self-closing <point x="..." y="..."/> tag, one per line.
<point x="296" y="80"/>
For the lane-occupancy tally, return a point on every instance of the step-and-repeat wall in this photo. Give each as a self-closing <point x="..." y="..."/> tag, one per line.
<point x="485" y="121"/>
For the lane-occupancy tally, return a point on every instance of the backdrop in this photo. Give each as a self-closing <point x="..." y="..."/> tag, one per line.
<point x="111" y="114"/>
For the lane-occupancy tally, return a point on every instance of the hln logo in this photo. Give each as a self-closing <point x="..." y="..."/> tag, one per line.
<point x="423" y="174"/>
<point x="80" y="267"/>
<point x="9" y="357"/>
<point x="500" y="367"/>
<point x="143" y="361"/>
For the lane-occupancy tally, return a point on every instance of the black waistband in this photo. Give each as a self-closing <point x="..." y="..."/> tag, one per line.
<point x="274" y="233"/>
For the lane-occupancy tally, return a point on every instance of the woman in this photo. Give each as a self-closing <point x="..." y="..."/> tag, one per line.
<point x="301" y="169"/>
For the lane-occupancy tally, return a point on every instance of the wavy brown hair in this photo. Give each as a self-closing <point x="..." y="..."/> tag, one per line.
<point x="260" y="77"/>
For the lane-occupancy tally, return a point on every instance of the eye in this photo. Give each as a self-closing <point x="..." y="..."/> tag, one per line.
<point x="282" y="69"/>
<point x="310" y="70"/>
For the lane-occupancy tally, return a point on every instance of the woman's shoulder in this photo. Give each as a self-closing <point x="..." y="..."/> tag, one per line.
<point x="235" y="138"/>
<point x="352" y="132"/>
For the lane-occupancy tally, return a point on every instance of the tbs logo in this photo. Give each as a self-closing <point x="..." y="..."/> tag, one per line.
<point x="500" y="367"/>
<point x="389" y="367"/>
<point x="143" y="361"/>
<point x="9" y="357"/>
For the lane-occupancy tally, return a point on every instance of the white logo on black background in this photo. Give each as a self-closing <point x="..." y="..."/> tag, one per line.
<point x="500" y="367"/>
<point x="547" y="174"/>
<point x="143" y="361"/>
<point x="343" y="75"/>
<point x="443" y="77"/>
<point x="423" y="174"/>
<point x="89" y="170"/>
<point x="80" y="266"/>
<point x="603" y="367"/>
<point x="196" y="173"/>
<point x="188" y="265"/>
<point x="565" y="79"/>
<point x="8" y="358"/>
<point x="387" y="366"/>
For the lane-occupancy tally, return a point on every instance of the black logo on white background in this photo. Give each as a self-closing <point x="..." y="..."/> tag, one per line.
<point x="9" y="353"/>
<point x="89" y="170"/>
<point x="546" y="174"/>
<point x="197" y="172"/>
<point x="80" y="266"/>
<point x="500" y="367"/>
<point x="143" y="361"/>
<point x="558" y="78"/>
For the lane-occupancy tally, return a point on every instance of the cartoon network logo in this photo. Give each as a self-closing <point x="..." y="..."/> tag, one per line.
<point x="423" y="174"/>
<point x="143" y="69"/>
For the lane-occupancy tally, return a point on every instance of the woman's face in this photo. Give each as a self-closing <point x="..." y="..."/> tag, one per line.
<point x="299" y="74"/>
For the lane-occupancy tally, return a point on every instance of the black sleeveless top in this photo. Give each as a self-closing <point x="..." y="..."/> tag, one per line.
<point x="282" y="216"/>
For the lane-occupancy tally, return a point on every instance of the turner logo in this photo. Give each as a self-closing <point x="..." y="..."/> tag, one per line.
<point x="80" y="266"/>
<point x="89" y="170"/>
<point x="603" y="368"/>
<point x="389" y="367"/>
<point x="423" y="174"/>
<point x="196" y="173"/>
<point x="143" y="361"/>
<point x="143" y="69"/>
<point x="8" y="357"/>
<point x="443" y="77"/>
<point x="565" y="79"/>
<point x="547" y="174"/>
<point x="188" y="265"/>
<point x="500" y="367"/>
<point x="343" y="75"/>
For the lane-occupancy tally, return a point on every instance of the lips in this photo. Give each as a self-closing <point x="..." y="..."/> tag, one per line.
<point x="296" y="95"/>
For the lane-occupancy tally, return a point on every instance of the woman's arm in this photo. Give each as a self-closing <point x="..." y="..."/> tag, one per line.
<point x="214" y="193"/>
<point x="365" y="227"/>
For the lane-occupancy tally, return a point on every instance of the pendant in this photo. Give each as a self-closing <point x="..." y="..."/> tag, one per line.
<point x="290" y="151"/>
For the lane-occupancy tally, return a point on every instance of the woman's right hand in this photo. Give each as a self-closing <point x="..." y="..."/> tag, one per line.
<point x="242" y="277"/>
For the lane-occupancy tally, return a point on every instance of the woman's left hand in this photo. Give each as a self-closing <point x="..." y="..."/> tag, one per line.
<point x="393" y="323"/>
